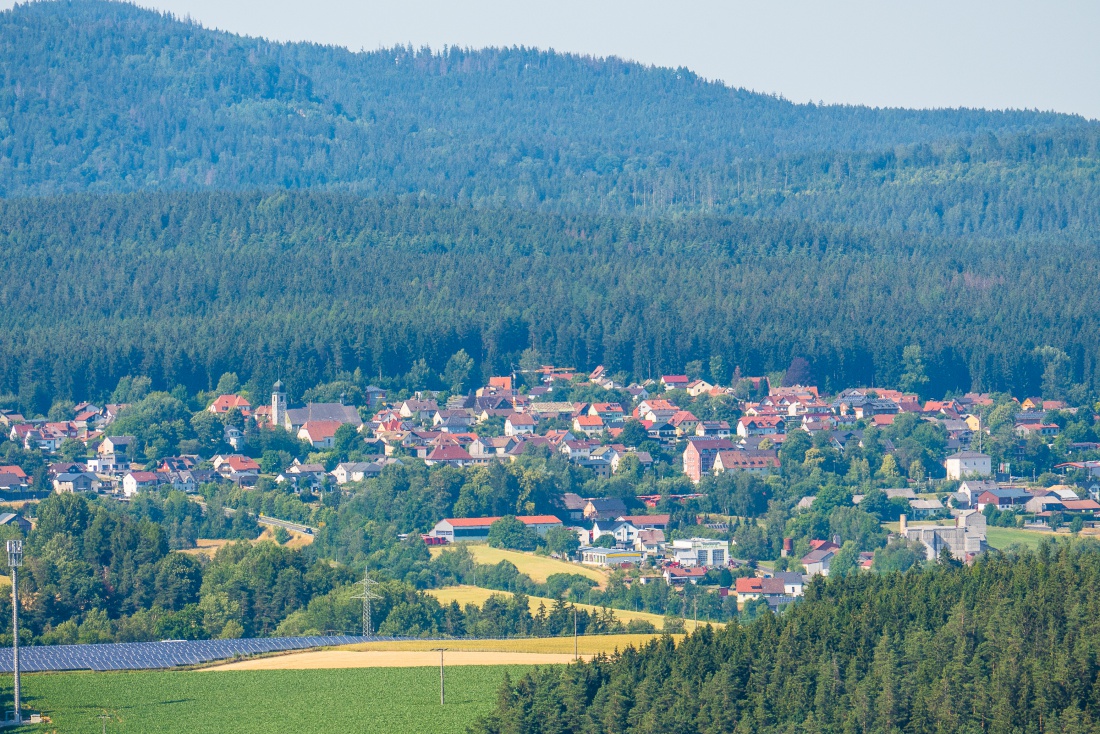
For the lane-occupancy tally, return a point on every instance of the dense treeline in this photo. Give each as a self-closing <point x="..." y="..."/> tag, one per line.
<point x="1006" y="645"/>
<point x="302" y="286"/>
<point x="107" y="96"/>
<point x="104" y="571"/>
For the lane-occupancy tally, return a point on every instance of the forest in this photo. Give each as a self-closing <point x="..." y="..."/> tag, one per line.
<point x="301" y="286"/>
<point x="179" y="202"/>
<point x="1007" y="645"/>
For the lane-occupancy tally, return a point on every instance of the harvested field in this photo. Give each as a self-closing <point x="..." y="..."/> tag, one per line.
<point x="209" y="546"/>
<point x="326" y="659"/>
<point x="206" y="547"/>
<point x="477" y="595"/>
<point x="586" y="644"/>
<point x="539" y="568"/>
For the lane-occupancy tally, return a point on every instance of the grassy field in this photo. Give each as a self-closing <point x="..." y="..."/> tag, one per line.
<point x="361" y="700"/>
<point x="477" y="595"/>
<point x="539" y="568"/>
<point x="1001" y="538"/>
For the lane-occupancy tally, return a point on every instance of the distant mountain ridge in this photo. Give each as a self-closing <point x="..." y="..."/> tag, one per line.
<point x="106" y="96"/>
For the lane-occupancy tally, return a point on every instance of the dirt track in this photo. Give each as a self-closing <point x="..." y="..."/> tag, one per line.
<point x="391" y="659"/>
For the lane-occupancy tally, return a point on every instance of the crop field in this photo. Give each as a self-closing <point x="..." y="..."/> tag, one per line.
<point x="477" y="595"/>
<point x="324" y="659"/>
<point x="586" y="644"/>
<point x="361" y="700"/>
<point x="539" y="568"/>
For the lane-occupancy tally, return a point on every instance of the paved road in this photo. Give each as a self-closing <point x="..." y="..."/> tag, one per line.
<point x="265" y="520"/>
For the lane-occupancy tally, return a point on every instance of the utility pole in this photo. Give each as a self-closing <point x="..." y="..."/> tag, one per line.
<point x="442" y="690"/>
<point x="695" y="603"/>
<point x="367" y="596"/>
<point x="15" y="560"/>
<point x="576" y="640"/>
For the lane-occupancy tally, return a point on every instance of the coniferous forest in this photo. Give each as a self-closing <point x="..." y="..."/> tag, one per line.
<point x="1008" y="645"/>
<point x="180" y="203"/>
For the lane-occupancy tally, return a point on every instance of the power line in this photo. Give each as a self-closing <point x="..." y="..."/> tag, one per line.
<point x="367" y="596"/>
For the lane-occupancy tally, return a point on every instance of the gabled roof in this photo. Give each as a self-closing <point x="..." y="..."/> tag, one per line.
<point x="449" y="453"/>
<point x="320" y="430"/>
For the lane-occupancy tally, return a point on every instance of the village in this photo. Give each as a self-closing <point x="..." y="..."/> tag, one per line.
<point x="650" y="430"/>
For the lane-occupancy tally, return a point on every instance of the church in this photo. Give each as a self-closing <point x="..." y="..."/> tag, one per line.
<point x="292" y="419"/>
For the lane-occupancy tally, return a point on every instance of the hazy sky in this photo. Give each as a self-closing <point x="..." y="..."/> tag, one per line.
<point x="923" y="53"/>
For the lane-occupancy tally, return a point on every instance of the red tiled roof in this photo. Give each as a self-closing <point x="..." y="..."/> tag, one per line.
<point x="320" y="430"/>
<point x="749" y="585"/>
<point x="225" y="403"/>
<point x="477" y="522"/>
<point x="449" y="453"/>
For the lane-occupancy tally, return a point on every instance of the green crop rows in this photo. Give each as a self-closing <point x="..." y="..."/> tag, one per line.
<point x="360" y="700"/>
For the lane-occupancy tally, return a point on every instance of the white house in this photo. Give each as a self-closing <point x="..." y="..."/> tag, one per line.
<point x="136" y="481"/>
<point x="965" y="464"/>
<point x="518" y="424"/>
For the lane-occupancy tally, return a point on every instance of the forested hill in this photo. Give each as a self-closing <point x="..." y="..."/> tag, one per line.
<point x="1005" y="646"/>
<point x="105" y="96"/>
<point x="183" y="287"/>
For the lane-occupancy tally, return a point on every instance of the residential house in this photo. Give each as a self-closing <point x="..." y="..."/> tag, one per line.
<point x="139" y="481"/>
<point x="817" y="561"/>
<point x="11" y="519"/>
<point x="967" y="464"/>
<point x="604" y="508"/>
<point x="684" y="422"/>
<point x="419" y="410"/>
<point x="225" y="403"/>
<point x="356" y="471"/>
<point x="761" y="425"/>
<point x="678" y="575"/>
<point x="646" y="522"/>
<point x="450" y="455"/>
<point x="1003" y="498"/>
<point x="643" y="457"/>
<point x="623" y="532"/>
<point x="519" y="424"/>
<point x="590" y="425"/>
<point x="236" y="468"/>
<point x="319" y="434"/>
<point x="574" y="505"/>
<point x="969" y="491"/>
<point x="921" y="509"/>
<point x="713" y="429"/>
<point x="701" y="453"/>
<point x="649" y="542"/>
<point x="675" y="382"/>
<point x="755" y="462"/>
<point x="74" y="482"/>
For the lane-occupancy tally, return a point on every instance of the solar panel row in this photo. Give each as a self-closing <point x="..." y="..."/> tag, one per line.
<point x="154" y="655"/>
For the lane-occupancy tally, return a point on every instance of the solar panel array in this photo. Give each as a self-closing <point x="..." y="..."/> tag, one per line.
<point x="156" y="655"/>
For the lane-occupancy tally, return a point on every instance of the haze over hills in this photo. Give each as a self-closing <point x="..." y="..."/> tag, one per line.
<point x="107" y="96"/>
<point x="597" y="210"/>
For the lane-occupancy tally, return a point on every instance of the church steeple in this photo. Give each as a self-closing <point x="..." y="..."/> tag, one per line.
<point x="278" y="404"/>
